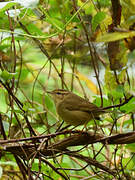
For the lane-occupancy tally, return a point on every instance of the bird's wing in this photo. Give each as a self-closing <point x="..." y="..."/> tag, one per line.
<point x="81" y="104"/>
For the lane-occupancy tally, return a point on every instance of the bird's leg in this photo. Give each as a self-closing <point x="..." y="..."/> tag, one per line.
<point x="58" y="129"/>
<point x="64" y="128"/>
<point x="95" y="118"/>
<point x="84" y="127"/>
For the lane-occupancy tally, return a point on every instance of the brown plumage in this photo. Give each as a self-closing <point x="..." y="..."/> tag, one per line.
<point x="73" y="109"/>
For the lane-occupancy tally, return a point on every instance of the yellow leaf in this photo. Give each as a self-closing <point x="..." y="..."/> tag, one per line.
<point x="109" y="37"/>
<point x="88" y="82"/>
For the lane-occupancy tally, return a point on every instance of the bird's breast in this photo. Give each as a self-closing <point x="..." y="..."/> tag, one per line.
<point x="73" y="117"/>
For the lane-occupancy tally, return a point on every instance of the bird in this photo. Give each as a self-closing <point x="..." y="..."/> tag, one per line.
<point x="73" y="109"/>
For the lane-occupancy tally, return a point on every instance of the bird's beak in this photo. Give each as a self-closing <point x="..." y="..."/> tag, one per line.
<point x="49" y="92"/>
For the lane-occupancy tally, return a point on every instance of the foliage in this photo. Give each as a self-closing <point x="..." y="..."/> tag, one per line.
<point x="86" y="46"/>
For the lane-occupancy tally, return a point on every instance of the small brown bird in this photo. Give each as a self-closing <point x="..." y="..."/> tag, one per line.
<point x="73" y="109"/>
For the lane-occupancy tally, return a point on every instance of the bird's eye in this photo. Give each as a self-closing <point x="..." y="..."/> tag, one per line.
<point x="58" y="93"/>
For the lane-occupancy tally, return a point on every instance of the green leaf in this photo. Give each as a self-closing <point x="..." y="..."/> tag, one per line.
<point x="104" y="3"/>
<point x="128" y="163"/>
<point x="34" y="30"/>
<point x="4" y="46"/>
<point x="6" y="126"/>
<point x="6" y="5"/>
<point x="131" y="147"/>
<point x="131" y="19"/>
<point x="11" y="163"/>
<point x="27" y="107"/>
<point x="1" y="171"/>
<point x="118" y="92"/>
<point x="129" y="107"/>
<point x="6" y="75"/>
<point x="97" y="19"/>
<point x="3" y="103"/>
<point x="49" y="103"/>
<point x="109" y="37"/>
<point x="18" y="111"/>
<point x="55" y="22"/>
<point x="87" y="6"/>
<point x="106" y="102"/>
<point x="24" y="74"/>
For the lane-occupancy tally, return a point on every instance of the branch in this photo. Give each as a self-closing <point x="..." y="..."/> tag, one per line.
<point x="119" y="105"/>
<point x="77" y="139"/>
<point x="92" y="162"/>
<point x="28" y="151"/>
